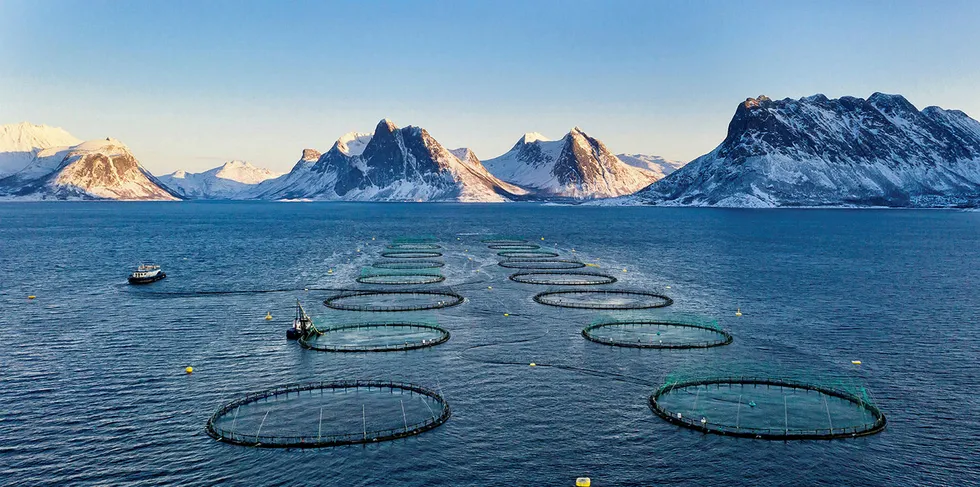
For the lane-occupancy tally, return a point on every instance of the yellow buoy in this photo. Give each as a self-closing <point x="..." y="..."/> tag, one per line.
<point x="583" y="482"/>
<point x="624" y="269"/>
<point x="189" y="370"/>
<point x="268" y="316"/>
<point x="358" y="250"/>
<point x="372" y="238"/>
<point x="489" y="287"/>
<point x="533" y="364"/>
<point x="31" y="297"/>
<point x="856" y="362"/>
<point x="738" y="312"/>
<point x="542" y="238"/>
<point x="668" y="287"/>
<point x="506" y="314"/>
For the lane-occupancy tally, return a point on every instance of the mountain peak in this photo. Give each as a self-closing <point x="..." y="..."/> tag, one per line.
<point x="385" y="125"/>
<point x="530" y="137"/>
<point x="353" y="143"/>
<point x="756" y="102"/>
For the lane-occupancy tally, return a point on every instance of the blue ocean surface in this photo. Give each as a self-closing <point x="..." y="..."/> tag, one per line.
<point x="93" y="389"/>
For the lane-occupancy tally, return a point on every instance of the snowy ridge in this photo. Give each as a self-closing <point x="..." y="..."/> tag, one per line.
<point x="576" y="166"/>
<point x="844" y="152"/>
<point x="232" y="180"/>
<point x="391" y="164"/>
<point x="21" y="142"/>
<point x="654" y="164"/>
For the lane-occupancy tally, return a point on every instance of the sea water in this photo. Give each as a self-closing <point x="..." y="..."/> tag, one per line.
<point x="93" y="389"/>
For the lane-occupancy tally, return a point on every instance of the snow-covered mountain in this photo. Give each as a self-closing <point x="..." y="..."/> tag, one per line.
<point x="655" y="164"/>
<point x="392" y="164"/>
<point x="577" y="166"/>
<point x="21" y="142"/>
<point x="232" y="180"/>
<point x="816" y="152"/>
<point x="96" y="169"/>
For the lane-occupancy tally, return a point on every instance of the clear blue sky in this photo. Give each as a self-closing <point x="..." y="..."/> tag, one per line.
<point x="192" y="84"/>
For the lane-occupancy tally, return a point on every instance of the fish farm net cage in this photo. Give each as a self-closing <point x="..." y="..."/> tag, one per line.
<point x="527" y="254"/>
<point x="668" y="332"/>
<point x="768" y="408"/>
<point x="608" y="299"/>
<point x="413" y="246"/>
<point x="563" y="278"/>
<point x="504" y="239"/>
<point x="326" y="414"/>
<point x="409" y="264"/>
<point x="513" y="246"/>
<point x="399" y="277"/>
<point x="541" y="264"/>
<point x="375" y="337"/>
<point x="417" y="239"/>
<point x="411" y="254"/>
<point x="391" y="301"/>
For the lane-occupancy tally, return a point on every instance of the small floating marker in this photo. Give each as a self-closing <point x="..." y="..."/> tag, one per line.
<point x="329" y="271"/>
<point x="268" y="316"/>
<point x="32" y="297"/>
<point x="668" y="287"/>
<point x="624" y="269"/>
<point x="372" y="238"/>
<point x="189" y="370"/>
<point x="738" y="312"/>
<point x="489" y="287"/>
<point x="542" y="238"/>
<point x="506" y="314"/>
<point x="358" y="250"/>
<point x="751" y="404"/>
<point x="583" y="482"/>
<point x="856" y="362"/>
<point x="532" y="364"/>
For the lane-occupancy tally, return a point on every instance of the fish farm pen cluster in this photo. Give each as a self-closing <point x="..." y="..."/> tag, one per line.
<point x="361" y="412"/>
<point x="283" y="417"/>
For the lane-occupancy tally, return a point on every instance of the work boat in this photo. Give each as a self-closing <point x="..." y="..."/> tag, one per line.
<point x="302" y="324"/>
<point x="146" y="274"/>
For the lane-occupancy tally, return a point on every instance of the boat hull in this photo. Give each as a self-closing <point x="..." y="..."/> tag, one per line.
<point x="147" y="280"/>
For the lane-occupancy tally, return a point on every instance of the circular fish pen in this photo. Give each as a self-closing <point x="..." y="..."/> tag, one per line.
<point x="408" y="264"/>
<point x="391" y="301"/>
<point x="410" y="254"/>
<point x="672" y="334"/>
<point x="414" y="246"/>
<point x="504" y="240"/>
<point x="513" y="246"/>
<point x="541" y="264"/>
<point x="326" y="414"/>
<point x="570" y="278"/>
<point x="527" y="254"/>
<point x="766" y="408"/>
<point x="603" y="299"/>
<point x="400" y="279"/>
<point x="376" y="337"/>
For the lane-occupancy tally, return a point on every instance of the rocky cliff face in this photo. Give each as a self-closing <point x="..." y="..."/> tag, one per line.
<point x="97" y="169"/>
<point x="815" y="151"/>
<point x="577" y="166"/>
